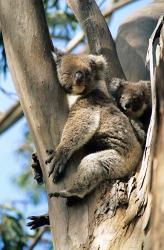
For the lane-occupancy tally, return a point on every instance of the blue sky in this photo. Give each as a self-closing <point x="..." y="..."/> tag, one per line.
<point x="11" y="139"/>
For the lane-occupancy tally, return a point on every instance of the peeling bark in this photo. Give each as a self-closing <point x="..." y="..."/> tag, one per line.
<point x="99" y="221"/>
<point x="158" y="166"/>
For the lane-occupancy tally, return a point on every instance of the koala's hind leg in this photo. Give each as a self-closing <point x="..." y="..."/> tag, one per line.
<point x="93" y="169"/>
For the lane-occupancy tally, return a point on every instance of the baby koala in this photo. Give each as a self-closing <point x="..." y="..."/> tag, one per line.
<point x="133" y="98"/>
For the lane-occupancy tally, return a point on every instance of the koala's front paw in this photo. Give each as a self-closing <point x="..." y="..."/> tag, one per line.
<point x="51" y="154"/>
<point x="56" y="163"/>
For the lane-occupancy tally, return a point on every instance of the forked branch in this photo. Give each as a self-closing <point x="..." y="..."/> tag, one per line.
<point x="99" y="38"/>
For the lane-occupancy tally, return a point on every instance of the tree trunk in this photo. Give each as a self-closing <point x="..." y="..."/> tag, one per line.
<point x="158" y="170"/>
<point x="94" y="222"/>
<point x="28" y="48"/>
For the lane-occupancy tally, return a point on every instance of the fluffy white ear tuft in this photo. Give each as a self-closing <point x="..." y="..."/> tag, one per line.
<point x="55" y="57"/>
<point x="99" y="60"/>
<point x="117" y="83"/>
<point x="114" y="85"/>
<point x="57" y="54"/>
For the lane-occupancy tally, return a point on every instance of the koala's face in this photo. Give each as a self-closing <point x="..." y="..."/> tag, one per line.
<point x="79" y="74"/>
<point x="132" y="100"/>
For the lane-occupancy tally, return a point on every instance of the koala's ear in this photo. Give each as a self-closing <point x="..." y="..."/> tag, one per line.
<point x="114" y="86"/>
<point x="145" y="86"/>
<point x="98" y="62"/>
<point x="57" y="55"/>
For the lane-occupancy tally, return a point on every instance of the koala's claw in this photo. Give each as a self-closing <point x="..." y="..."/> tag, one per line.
<point x="38" y="176"/>
<point x="56" y="194"/>
<point x="38" y="221"/>
<point x="58" y="172"/>
<point x="50" y="151"/>
<point x="51" y="154"/>
<point x="57" y="168"/>
<point x="34" y="156"/>
<point x="65" y="194"/>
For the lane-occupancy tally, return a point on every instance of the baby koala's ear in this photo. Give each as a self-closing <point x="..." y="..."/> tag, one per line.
<point x="98" y="62"/>
<point x="57" y="55"/>
<point x="114" y="86"/>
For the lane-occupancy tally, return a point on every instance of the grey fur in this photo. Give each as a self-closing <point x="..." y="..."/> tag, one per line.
<point x="96" y="123"/>
<point x="135" y="94"/>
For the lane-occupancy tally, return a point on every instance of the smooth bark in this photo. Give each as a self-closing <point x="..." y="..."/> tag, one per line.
<point x="28" y="49"/>
<point x="99" y="38"/>
<point x="133" y="38"/>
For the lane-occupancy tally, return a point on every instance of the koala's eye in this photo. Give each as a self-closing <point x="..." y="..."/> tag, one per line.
<point x="93" y="64"/>
<point x="136" y="99"/>
<point x="67" y="87"/>
<point x="123" y="97"/>
<point x="87" y="72"/>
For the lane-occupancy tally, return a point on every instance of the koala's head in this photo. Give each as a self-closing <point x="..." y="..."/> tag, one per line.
<point x="79" y="74"/>
<point x="131" y="97"/>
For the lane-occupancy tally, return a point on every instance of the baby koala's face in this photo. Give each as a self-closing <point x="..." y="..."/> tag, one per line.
<point x="132" y="101"/>
<point x="79" y="74"/>
<point x="132" y="97"/>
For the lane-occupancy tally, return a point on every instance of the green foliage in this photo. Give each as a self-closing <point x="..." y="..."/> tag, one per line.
<point x="12" y="234"/>
<point x="61" y="22"/>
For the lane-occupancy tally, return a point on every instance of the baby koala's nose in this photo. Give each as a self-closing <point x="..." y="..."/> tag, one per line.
<point x="79" y="77"/>
<point x="127" y="105"/>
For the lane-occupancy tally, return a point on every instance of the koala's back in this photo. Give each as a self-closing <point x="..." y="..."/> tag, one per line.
<point x="114" y="132"/>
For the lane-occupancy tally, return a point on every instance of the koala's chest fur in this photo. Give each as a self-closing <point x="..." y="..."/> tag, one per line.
<point x="114" y="127"/>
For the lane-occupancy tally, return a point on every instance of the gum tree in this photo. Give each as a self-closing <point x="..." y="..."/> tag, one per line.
<point x="102" y="220"/>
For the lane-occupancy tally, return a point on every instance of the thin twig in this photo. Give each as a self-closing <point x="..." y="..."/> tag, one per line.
<point x="39" y="235"/>
<point x="10" y="116"/>
<point x="8" y="93"/>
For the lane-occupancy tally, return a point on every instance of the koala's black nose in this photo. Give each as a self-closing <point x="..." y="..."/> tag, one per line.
<point x="79" y="77"/>
<point x="128" y="105"/>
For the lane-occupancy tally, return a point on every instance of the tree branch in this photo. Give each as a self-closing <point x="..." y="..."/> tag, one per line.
<point x="37" y="238"/>
<point x="106" y="13"/>
<point x="99" y="37"/>
<point x="10" y="117"/>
